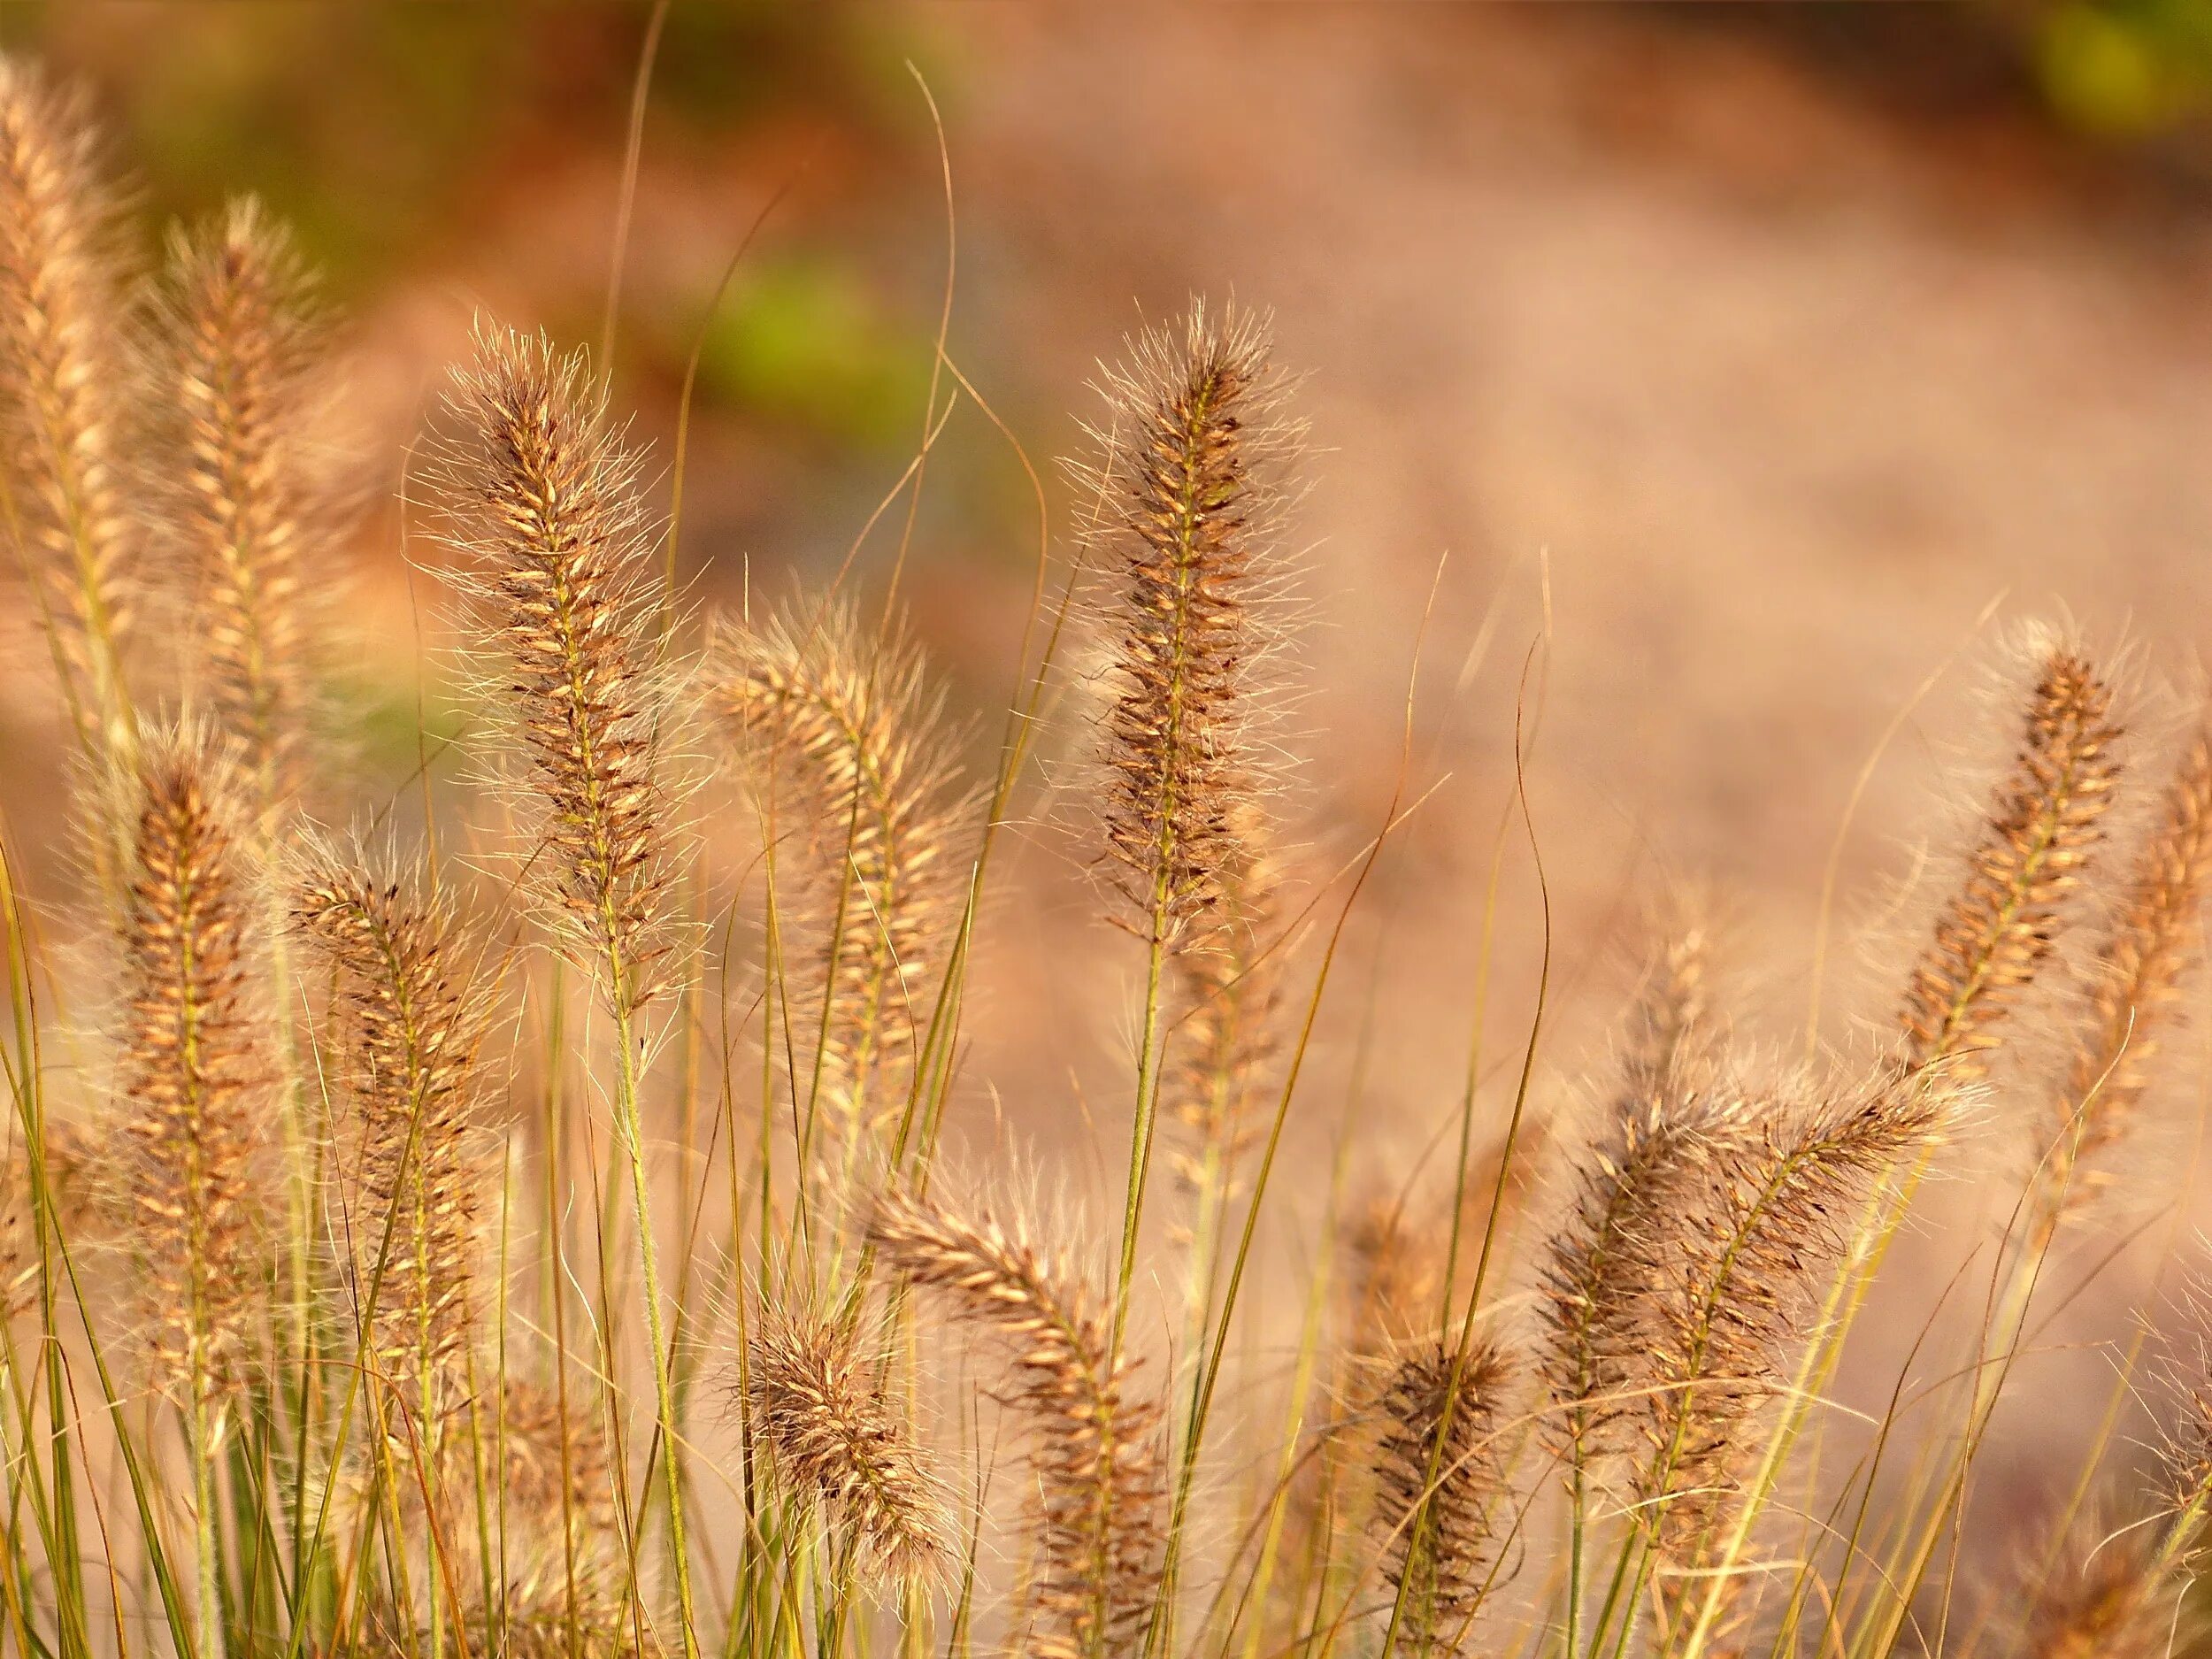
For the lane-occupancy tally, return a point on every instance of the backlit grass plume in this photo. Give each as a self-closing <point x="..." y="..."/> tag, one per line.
<point x="414" y="1167"/>
<point x="841" y="730"/>
<point x="1443" y="1478"/>
<point x="236" y="346"/>
<point x="194" y="1075"/>
<point x="2154" y="939"/>
<point x="2106" y="1599"/>
<point x="543" y="496"/>
<point x="1228" y="992"/>
<point x="1095" y="1456"/>
<point x="67" y="389"/>
<point x="1188" y="490"/>
<point x="1779" y="1184"/>
<point x="815" y="1401"/>
<point x="2042" y="830"/>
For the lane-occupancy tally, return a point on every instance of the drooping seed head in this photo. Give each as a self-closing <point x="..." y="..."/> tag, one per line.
<point x="811" y="1398"/>
<point x="2042" y="831"/>
<point x="1095" y="1441"/>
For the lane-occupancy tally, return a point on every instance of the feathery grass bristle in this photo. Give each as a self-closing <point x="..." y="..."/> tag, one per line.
<point x="238" y="340"/>
<point x="2042" y="831"/>
<point x="196" y="1068"/>
<point x="810" y="1396"/>
<point x="1188" y="492"/>
<point x="1096" y="1460"/>
<point x="415" y="1165"/>
<point x="544" y="502"/>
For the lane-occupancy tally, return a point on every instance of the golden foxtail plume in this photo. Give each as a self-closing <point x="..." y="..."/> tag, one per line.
<point x="811" y="1397"/>
<point x="1096" y="1460"/>
<point x="415" y="1163"/>
<point x="2107" y="1599"/>
<point x="2154" y="942"/>
<point x="65" y="387"/>
<point x="238" y="342"/>
<point x="1778" y="1177"/>
<point x="2042" y="831"/>
<point x="196" y="1067"/>
<point x="1229" y="989"/>
<point x="1189" y="496"/>
<point x="847" y="724"/>
<point x="1443" y="1477"/>
<point x="543" y="497"/>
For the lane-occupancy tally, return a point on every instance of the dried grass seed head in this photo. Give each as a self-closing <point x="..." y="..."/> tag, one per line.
<point x="1095" y="1451"/>
<point x="841" y="728"/>
<point x="196" y="1068"/>
<point x="812" y="1397"/>
<point x="2043" y="827"/>
<point x="1443" y="1475"/>
<point x="1188" y="493"/>
<point x="67" y="390"/>
<point x="543" y="499"/>
<point x="416" y="1163"/>
<point x="243" y="498"/>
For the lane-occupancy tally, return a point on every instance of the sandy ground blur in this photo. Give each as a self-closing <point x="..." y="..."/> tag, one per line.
<point x="1765" y="392"/>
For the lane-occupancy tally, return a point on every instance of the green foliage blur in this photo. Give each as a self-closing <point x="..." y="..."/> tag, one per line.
<point x="2126" y="68"/>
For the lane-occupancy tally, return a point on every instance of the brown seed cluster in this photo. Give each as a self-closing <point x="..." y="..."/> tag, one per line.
<point x="1188" y="497"/>
<point x="543" y="496"/>
<point x="1443" y="1477"/>
<point x="416" y="1161"/>
<point x="812" y="1398"/>
<point x="196" y="1068"/>
<point x="1095" y="1454"/>
<point x="843" y="728"/>
<point x="2042" y="832"/>
<point x="2155" y="941"/>
<point x="1780" y="1181"/>
<point x="2106" y="1600"/>
<point x="240" y="504"/>
<point x="65" y="391"/>
<point x="1229" y="989"/>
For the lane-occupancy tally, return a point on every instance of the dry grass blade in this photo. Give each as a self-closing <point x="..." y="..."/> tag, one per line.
<point x="65" y="384"/>
<point x="1190" y="495"/>
<point x="814" y="1401"/>
<point x="2043" y="829"/>
<point x="1099" y="1477"/>
<point x="238" y="342"/>
<point x="543" y="498"/>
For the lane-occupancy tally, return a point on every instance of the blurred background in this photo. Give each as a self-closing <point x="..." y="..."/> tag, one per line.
<point x="1769" y="362"/>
